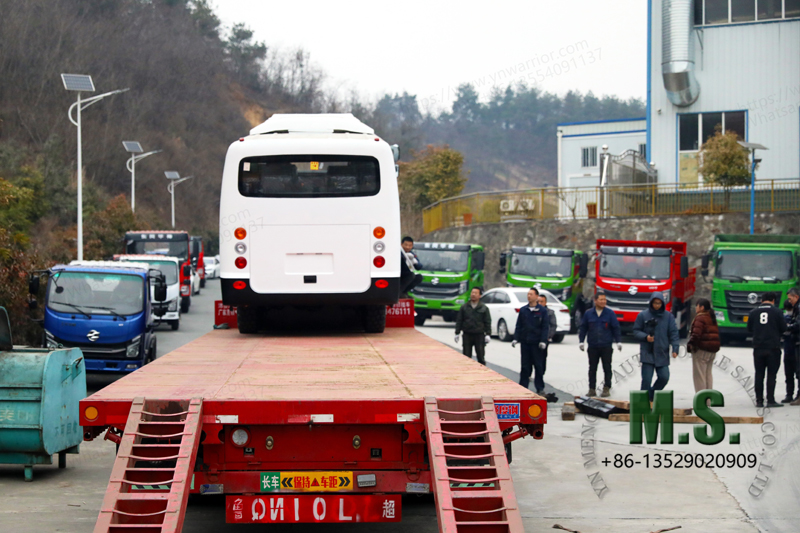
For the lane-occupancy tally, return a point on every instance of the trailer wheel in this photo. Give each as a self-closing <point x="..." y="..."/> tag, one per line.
<point x="509" y="455"/>
<point x="247" y="317"/>
<point x="374" y="318"/>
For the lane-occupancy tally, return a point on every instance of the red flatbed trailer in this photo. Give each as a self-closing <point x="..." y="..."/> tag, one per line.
<point x="337" y="428"/>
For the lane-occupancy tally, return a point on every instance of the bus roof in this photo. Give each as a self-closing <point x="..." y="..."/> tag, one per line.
<point x="312" y="123"/>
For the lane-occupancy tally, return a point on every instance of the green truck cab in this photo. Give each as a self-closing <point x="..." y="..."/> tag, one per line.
<point x="559" y="271"/>
<point x="745" y="267"/>
<point x="449" y="273"/>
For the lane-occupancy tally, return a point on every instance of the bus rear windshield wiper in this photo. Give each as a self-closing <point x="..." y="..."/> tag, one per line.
<point x="81" y="311"/>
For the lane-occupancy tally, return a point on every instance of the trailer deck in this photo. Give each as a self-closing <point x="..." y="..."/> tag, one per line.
<point x="414" y="413"/>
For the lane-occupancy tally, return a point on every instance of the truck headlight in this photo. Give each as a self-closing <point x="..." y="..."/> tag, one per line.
<point x="720" y="316"/>
<point x="566" y="293"/>
<point x="185" y="289"/>
<point x="133" y="347"/>
<point x="667" y="296"/>
<point x="173" y="305"/>
<point x="462" y="287"/>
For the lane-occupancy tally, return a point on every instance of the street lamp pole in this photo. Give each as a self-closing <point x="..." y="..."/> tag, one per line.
<point x="752" y="147"/>
<point x="135" y="150"/>
<point x="175" y="178"/>
<point x="79" y="83"/>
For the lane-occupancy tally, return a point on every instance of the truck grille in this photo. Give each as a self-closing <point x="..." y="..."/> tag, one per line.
<point x="739" y="306"/>
<point x="97" y="351"/>
<point x="625" y="301"/>
<point x="440" y="291"/>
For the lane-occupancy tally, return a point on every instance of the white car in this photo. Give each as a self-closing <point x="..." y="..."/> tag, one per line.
<point x="504" y="305"/>
<point x="212" y="267"/>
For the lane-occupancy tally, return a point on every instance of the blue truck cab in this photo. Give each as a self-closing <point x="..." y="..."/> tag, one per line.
<point x="105" y="309"/>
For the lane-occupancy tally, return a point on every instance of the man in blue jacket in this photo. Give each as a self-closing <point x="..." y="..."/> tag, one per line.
<point x="656" y="330"/>
<point x="531" y="331"/>
<point x="601" y="326"/>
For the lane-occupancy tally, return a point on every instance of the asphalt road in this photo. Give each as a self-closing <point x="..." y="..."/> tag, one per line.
<point x="552" y="477"/>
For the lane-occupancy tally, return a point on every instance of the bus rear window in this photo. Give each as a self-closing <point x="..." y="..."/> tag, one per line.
<point x="309" y="176"/>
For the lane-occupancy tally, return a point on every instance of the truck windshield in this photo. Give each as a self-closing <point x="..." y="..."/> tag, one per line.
<point x="309" y="176"/>
<point x="96" y="293"/>
<point x="179" y="249"/>
<point x="551" y="266"/>
<point x="635" y="266"/>
<point x="740" y="265"/>
<point x="443" y="260"/>
<point x="168" y="268"/>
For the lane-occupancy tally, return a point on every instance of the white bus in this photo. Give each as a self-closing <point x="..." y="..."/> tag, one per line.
<point x="310" y="216"/>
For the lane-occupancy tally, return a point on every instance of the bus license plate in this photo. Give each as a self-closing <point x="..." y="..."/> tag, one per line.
<point x="312" y="508"/>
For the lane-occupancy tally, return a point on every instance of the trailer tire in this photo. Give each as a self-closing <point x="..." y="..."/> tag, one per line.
<point x="374" y="318"/>
<point x="247" y="318"/>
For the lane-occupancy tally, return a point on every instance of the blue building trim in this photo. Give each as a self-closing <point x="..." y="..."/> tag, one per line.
<point x="602" y="133"/>
<point x="600" y="121"/>
<point x="649" y="78"/>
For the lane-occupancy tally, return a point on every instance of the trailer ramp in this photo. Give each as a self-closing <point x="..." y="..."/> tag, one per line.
<point x="149" y="485"/>
<point x="472" y="480"/>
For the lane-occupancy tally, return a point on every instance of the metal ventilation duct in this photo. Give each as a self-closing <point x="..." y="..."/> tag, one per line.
<point x="677" y="52"/>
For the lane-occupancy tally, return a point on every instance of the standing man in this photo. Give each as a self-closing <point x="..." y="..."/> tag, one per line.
<point x="790" y="339"/>
<point x="767" y="325"/>
<point x="408" y="267"/>
<point x="601" y="327"/>
<point x="475" y="321"/>
<point x="656" y="331"/>
<point x="532" y="331"/>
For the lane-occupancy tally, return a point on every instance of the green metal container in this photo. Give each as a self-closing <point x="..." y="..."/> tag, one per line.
<point x="39" y="395"/>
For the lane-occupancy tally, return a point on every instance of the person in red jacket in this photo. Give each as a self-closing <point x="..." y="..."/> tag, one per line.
<point x="703" y="345"/>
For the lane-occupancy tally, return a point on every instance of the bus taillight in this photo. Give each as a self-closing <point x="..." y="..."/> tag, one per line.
<point x="379" y="261"/>
<point x="381" y="283"/>
<point x="240" y="233"/>
<point x="239" y="285"/>
<point x="379" y="232"/>
<point x="240" y="262"/>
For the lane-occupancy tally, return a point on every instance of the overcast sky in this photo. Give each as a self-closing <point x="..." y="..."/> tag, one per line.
<point x="429" y="47"/>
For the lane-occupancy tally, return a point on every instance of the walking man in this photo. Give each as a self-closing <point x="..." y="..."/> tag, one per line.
<point x="790" y="339"/>
<point x="409" y="264"/>
<point x="656" y="331"/>
<point x="601" y="328"/>
<point x="767" y="325"/>
<point x="475" y="321"/>
<point x="532" y="331"/>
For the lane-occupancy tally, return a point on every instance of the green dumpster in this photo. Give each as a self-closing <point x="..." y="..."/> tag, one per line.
<point x="39" y="395"/>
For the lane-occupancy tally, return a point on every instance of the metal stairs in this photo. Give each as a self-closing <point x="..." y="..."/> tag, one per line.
<point x="149" y="485"/>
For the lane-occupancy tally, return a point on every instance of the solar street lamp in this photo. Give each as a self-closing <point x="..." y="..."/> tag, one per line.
<point x="174" y="179"/>
<point x="752" y="147"/>
<point x="81" y="83"/>
<point x="135" y="149"/>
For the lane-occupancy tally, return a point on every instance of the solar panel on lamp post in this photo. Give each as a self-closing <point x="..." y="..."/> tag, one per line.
<point x="135" y="149"/>
<point x="81" y="83"/>
<point x="174" y="179"/>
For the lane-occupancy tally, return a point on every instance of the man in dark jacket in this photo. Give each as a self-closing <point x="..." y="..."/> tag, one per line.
<point x="656" y="331"/>
<point x="790" y="339"/>
<point x="767" y="325"/>
<point x="409" y="264"/>
<point x="601" y="326"/>
<point x="475" y="321"/>
<point x="532" y="331"/>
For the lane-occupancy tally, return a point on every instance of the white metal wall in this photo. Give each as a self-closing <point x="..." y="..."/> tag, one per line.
<point x="753" y="67"/>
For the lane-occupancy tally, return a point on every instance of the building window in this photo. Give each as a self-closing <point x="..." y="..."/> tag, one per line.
<point x="695" y="129"/>
<point x="643" y="150"/>
<point x="589" y="157"/>
<point x="739" y="11"/>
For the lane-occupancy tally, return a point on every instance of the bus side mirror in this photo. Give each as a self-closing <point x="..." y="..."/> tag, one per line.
<point x="478" y="259"/>
<point x="187" y="271"/>
<point x="33" y="285"/>
<point x="684" y="267"/>
<point x="396" y="152"/>
<point x="706" y="260"/>
<point x="583" y="269"/>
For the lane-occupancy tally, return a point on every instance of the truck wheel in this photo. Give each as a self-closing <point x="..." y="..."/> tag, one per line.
<point x="152" y="353"/>
<point x="374" y="318"/>
<point x="577" y="316"/>
<point x="175" y="324"/>
<point x="202" y="283"/>
<point x="186" y="301"/>
<point x="247" y="317"/>
<point x="558" y="337"/>
<point x="449" y="316"/>
<point x="502" y="331"/>
<point x="420" y="319"/>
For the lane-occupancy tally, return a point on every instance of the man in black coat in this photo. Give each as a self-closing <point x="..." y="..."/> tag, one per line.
<point x="532" y="331"/>
<point x="790" y="338"/>
<point x="767" y="325"/>
<point x="475" y="320"/>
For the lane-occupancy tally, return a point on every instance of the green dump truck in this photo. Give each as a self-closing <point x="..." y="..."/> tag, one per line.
<point x="449" y="273"/>
<point x="745" y="267"/>
<point x="559" y="271"/>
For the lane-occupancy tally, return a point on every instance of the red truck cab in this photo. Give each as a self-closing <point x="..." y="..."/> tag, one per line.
<point x="629" y="272"/>
<point x="169" y="243"/>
